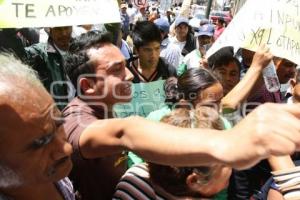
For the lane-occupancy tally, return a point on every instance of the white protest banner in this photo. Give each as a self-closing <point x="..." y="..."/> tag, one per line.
<point x="272" y="22"/>
<point x="146" y="97"/>
<point x="50" y="13"/>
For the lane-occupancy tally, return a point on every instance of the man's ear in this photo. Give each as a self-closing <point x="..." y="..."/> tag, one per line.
<point x="196" y="184"/>
<point x="292" y="82"/>
<point x="192" y="182"/>
<point x="87" y="86"/>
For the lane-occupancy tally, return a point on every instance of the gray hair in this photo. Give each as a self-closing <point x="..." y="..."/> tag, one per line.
<point x="14" y="74"/>
<point x="11" y="69"/>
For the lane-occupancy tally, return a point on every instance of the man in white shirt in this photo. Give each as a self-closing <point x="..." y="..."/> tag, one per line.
<point x="205" y="40"/>
<point x="181" y="44"/>
<point x="131" y="11"/>
<point x="141" y="16"/>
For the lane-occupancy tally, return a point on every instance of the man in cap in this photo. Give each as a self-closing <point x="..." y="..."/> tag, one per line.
<point x="205" y="40"/>
<point x="141" y="15"/>
<point x="163" y="26"/>
<point x="183" y="36"/>
<point x="181" y="44"/>
<point x="125" y="20"/>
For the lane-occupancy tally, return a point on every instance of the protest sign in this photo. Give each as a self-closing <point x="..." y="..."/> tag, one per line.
<point x="275" y="23"/>
<point x="146" y="97"/>
<point x="50" y="13"/>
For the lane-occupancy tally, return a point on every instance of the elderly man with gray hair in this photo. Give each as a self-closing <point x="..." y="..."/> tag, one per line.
<point x="34" y="154"/>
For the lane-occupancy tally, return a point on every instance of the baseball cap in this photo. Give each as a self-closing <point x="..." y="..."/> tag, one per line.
<point x="206" y="29"/>
<point x="181" y="20"/>
<point x="162" y="24"/>
<point x="204" y="21"/>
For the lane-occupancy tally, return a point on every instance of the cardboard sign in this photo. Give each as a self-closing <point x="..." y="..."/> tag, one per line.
<point x="146" y="97"/>
<point x="51" y="13"/>
<point x="272" y="22"/>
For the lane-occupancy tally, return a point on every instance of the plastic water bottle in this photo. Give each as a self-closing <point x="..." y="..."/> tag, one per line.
<point x="271" y="78"/>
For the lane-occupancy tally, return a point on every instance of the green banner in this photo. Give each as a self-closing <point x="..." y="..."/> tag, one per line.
<point x="146" y="97"/>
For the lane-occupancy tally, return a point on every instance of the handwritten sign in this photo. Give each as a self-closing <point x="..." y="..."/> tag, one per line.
<point x="272" y="22"/>
<point x="50" y="13"/>
<point x="146" y="97"/>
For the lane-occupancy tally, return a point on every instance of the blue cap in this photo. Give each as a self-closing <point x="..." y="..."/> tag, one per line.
<point x="206" y="29"/>
<point x="204" y="21"/>
<point x="181" y="20"/>
<point x="162" y="24"/>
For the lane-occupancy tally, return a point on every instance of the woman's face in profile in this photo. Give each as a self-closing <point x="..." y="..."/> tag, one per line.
<point x="210" y="96"/>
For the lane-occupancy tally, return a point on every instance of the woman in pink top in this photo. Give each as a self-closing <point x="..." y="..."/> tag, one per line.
<point x="219" y="27"/>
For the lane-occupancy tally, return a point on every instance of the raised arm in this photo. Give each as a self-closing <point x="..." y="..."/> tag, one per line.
<point x="251" y="80"/>
<point x="268" y="130"/>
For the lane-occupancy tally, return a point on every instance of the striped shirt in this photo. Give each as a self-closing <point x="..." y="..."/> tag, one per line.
<point x="66" y="189"/>
<point x="136" y="184"/>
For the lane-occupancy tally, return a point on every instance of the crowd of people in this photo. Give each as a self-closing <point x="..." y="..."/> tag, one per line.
<point x="213" y="137"/>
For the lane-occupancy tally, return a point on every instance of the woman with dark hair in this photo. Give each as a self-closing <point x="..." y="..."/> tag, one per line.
<point x="220" y="27"/>
<point x="196" y="86"/>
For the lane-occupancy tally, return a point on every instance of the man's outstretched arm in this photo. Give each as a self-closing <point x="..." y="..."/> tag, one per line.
<point x="268" y="130"/>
